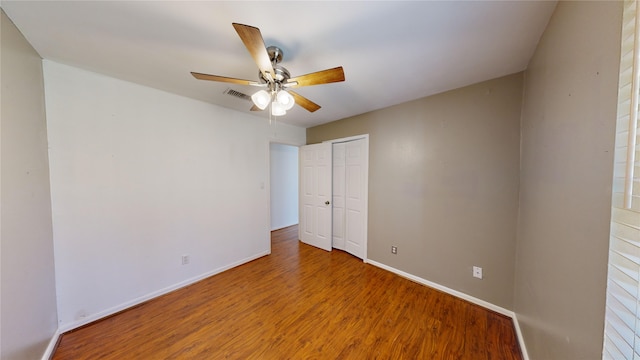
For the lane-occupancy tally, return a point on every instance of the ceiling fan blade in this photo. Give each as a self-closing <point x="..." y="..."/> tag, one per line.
<point x="304" y="102"/>
<point x="252" y="39"/>
<point x="224" y="79"/>
<point x="255" y="108"/>
<point x="317" y="78"/>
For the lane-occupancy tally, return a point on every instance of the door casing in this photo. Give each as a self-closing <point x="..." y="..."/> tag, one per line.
<point x="365" y="190"/>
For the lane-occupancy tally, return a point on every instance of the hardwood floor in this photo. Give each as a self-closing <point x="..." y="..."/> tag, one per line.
<point x="298" y="303"/>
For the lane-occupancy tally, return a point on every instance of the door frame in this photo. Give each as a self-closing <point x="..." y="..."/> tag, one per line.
<point x="266" y="184"/>
<point x="270" y="184"/>
<point x="364" y="137"/>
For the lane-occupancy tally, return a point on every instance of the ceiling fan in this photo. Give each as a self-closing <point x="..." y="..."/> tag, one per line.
<point x="273" y="78"/>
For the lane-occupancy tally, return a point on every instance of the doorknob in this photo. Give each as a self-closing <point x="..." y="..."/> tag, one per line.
<point x="327" y="202"/>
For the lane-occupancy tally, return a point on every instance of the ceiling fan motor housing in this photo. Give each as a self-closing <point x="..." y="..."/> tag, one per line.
<point x="281" y="75"/>
<point x="275" y="54"/>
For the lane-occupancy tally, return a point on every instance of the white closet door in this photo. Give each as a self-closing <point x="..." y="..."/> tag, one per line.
<point x="315" y="195"/>
<point x="339" y="185"/>
<point x="355" y="197"/>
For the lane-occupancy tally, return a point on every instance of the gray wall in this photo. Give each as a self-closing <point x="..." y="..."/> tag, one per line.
<point x="430" y="194"/>
<point x="568" y="125"/>
<point x="28" y="286"/>
<point x="443" y="185"/>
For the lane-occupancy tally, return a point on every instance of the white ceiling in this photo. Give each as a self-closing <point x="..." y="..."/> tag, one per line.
<point x="391" y="51"/>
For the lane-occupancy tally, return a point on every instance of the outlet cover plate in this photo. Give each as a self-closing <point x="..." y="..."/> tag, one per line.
<point x="477" y="272"/>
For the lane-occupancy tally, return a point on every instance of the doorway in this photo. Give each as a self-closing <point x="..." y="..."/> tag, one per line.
<point x="283" y="160"/>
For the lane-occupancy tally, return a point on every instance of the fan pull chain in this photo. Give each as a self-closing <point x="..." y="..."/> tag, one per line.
<point x="271" y="109"/>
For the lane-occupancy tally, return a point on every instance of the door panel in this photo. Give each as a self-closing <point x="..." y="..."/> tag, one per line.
<point x="315" y="195"/>
<point x="339" y="183"/>
<point x="355" y="198"/>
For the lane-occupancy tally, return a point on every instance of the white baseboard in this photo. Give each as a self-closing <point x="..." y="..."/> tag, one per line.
<point x="523" y="348"/>
<point x="67" y="327"/>
<point x="460" y="295"/>
<point x="48" y="353"/>
<point x="280" y="227"/>
<point x="89" y="319"/>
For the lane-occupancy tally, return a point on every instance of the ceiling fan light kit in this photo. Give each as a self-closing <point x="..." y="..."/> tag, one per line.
<point x="275" y="77"/>
<point x="285" y="99"/>
<point x="261" y="99"/>
<point x="277" y="109"/>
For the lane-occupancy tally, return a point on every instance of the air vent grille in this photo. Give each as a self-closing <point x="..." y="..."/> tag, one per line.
<point x="237" y="94"/>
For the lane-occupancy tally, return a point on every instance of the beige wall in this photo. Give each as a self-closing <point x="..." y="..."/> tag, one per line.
<point x="443" y="185"/>
<point x="568" y="125"/>
<point x="28" y="316"/>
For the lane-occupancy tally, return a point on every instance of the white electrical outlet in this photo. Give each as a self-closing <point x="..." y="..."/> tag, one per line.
<point x="477" y="272"/>
<point x="394" y="249"/>
<point x="185" y="259"/>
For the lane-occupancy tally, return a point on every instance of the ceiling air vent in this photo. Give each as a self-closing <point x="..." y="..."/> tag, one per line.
<point x="238" y="94"/>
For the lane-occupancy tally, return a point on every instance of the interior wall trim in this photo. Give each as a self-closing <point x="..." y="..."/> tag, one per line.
<point x="53" y="344"/>
<point x="124" y="306"/>
<point x="523" y="347"/>
<point x="461" y="295"/>
<point x="365" y="189"/>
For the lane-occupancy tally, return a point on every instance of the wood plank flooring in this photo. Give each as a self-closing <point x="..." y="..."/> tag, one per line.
<point x="298" y="303"/>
